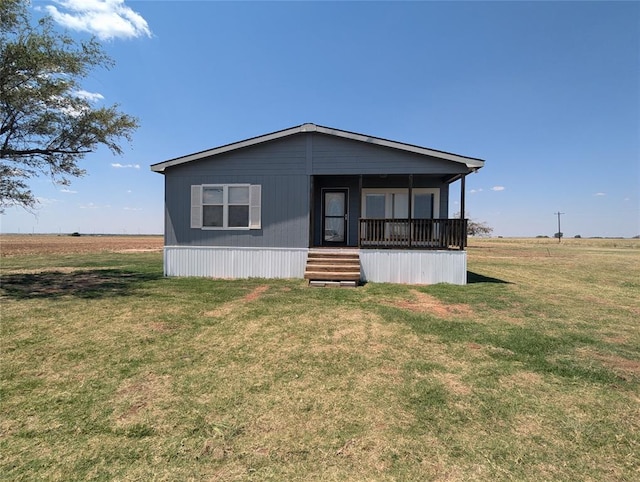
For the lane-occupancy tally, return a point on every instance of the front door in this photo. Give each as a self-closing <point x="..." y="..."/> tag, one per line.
<point x="334" y="217"/>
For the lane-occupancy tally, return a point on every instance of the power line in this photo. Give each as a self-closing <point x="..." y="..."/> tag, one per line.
<point x="559" y="230"/>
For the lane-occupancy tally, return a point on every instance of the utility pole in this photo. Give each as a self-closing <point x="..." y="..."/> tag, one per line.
<point x="559" y="230"/>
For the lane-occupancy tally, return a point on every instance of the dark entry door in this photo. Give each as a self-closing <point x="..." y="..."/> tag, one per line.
<point x="334" y="217"/>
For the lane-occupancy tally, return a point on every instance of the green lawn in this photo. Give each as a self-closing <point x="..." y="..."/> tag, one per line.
<point x="530" y="372"/>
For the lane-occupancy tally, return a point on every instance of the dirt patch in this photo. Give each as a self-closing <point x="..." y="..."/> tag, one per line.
<point x="159" y="327"/>
<point x="227" y="308"/>
<point x="424" y="303"/>
<point x="256" y="293"/>
<point x="618" y="340"/>
<point x="620" y="365"/>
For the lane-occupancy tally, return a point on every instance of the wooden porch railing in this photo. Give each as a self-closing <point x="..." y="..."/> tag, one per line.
<point x="413" y="233"/>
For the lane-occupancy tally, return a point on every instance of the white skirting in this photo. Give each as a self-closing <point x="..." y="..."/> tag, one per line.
<point x="232" y="262"/>
<point x="377" y="265"/>
<point x="421" y="267"/>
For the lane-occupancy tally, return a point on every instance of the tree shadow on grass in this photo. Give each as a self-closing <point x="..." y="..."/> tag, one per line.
<point x="97" y="283"/>
<point x="478" y="278"/>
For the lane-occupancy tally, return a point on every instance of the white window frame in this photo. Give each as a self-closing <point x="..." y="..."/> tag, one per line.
<point x="254" y="205"/>
<point x="389" y="198"/>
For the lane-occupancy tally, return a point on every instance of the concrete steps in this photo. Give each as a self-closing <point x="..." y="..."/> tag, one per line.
<point x="333" y="267"/>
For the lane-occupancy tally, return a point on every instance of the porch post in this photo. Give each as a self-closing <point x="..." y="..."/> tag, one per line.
<point x="463" y="234"/>
<point x="410" y="216"/>
<point x="360" y="213"/>
<point x="312" y="203"/>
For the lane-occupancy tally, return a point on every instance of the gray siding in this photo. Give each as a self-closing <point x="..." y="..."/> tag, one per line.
<point x="283" y="168"/>
<point x="333" y="155"/>
<point x="279" y="167"/>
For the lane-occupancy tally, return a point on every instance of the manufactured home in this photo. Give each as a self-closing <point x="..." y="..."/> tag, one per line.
<point x="318" y="203"/>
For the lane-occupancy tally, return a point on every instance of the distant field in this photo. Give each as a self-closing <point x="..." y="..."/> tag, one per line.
<point x="24" y="244"/>
<point x="110" y="371"/>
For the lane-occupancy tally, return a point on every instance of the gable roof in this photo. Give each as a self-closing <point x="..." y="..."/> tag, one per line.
<point x="471" y="162"/>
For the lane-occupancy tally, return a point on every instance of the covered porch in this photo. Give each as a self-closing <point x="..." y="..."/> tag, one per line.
<point x="412" y="233"/>
<point x="398" y="212"/>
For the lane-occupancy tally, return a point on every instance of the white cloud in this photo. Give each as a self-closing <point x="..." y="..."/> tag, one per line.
<point x="473" y="191"/>
<point x="89" y="206"/>
<point x="68" y="191"/>
<point x="89" y="96"/>
<point x="117" y="165"/>
<point x="106" y="19"/>
<point x="132" y="209"/>
<point x="498" y="188"/>
<point x="46" y="201"/>
<point x="600" y="194"/>
<point x="93" y="206"/>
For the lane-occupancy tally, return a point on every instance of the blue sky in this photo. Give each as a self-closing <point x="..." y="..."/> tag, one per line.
<point x="548" y="93"/>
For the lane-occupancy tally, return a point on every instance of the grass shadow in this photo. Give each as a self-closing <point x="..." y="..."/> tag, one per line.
<point x="478" y="278"/>
<point x="95" y="283"/>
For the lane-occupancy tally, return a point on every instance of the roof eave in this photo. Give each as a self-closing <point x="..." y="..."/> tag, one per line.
<point x="161" y="166"/>
<point x="471" y="163"/>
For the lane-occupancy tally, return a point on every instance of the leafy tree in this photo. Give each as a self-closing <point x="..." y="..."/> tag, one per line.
<point x="477" y="228"/>
<point x="47" y="122"/>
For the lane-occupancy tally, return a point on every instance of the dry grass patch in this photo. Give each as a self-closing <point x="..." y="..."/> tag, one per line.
<point x="453" y="383"/>
<point x="529" y="425"/>
<point x="522" y="380"/>
<point x="137" y="400"/>
<point x="315" y="392"/>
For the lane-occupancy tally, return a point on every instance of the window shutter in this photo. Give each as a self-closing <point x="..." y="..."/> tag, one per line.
<point x="255" y="209"/>
<point x="196" y="206"/>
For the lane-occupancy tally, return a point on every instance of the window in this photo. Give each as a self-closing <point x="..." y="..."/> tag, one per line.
<point x="226" y="206"/>
<point x="423" y="205"/>
<point x="383" y="203"/>
<point x="375" y="206"/>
